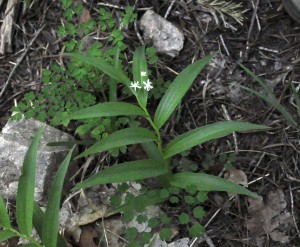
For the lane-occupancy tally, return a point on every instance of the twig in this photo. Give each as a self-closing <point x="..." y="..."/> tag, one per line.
<point x="20" y="60"/>
<point x="169" y="9"/>
<point x="227" y="117"/>
<point x="292" y="211"/>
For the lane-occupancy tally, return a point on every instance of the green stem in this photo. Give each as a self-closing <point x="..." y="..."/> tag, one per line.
<point x="113" y="83"/>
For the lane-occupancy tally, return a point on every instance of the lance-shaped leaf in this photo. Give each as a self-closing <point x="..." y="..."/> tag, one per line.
<point x="25" y="193"/>
<point x="206" y="133"/>
<point x="38" y="218"/>
<point x="129" y="171"/>
<point x="108" y="109"/>
<point x="140" y="71"/>
<point x="177" y="90"/>
<point x="270" y="98"/>
<point x="6" y="234"/>
<point x="103" y="66"/>
<point x="4" y="217"/>
<point x="50" y="223"/>
<point x="120" y="138"/>
<point x="205" y="182"/>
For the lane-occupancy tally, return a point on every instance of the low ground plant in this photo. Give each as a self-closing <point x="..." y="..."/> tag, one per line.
<point x="160" y="154"/>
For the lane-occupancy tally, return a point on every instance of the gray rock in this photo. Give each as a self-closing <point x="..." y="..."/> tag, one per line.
<point x="161" y="34"/>
<point x="14" y="142"/>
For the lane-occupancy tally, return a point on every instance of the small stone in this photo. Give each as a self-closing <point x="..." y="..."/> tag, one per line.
<point x="161" y="34"/>
<point x="14" y="142"/>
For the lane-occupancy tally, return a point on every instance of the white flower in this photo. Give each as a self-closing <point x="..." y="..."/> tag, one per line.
<point x="135" y="85"/>
<point x="143" y="73"/>
<point x="148" y="85"/>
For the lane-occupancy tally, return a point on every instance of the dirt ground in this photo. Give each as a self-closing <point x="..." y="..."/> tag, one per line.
<point x="268" y="43"/>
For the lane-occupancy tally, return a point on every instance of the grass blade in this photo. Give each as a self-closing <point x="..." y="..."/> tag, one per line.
<point x="269" y="97"/>
<point x="273" y="102"/>
<point x="25" y="193"/>
<point x="120" y="138"/>
<point x="4" y="217"/>
<point x="38" y="218"/>
<point x="206" y="133"/>
<point x="177" y="90"/>
<point x="139" y="66"/>
<point x="50" y="223"/>
<point x="6" y="234"/>
<point x="129" y="171"/>
<point x="103" y="66"/>
<point x="108" y="109"/>
<point x="205" y="182"/>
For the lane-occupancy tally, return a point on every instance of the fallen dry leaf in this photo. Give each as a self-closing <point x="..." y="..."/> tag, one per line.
<point x="269" y="217"/>
<point x="87" y="236"/>
<point x="237" y="176"/>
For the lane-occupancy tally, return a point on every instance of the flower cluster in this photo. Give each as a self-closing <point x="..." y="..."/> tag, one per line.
<point x="147" y="84"/>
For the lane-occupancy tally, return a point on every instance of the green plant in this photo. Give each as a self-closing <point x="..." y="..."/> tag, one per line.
<point x="76" y="85"/>
<point x="268" y="96"/>
<point x="160" y="154"/>
<point x="28" y="213"/>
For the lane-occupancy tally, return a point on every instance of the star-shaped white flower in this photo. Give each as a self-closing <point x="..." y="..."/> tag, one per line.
<point x="148" y="85"/>
<point x="135" y="85"/>
<point x="143" y="73"/>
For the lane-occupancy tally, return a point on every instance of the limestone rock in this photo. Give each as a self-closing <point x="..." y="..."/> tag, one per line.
<point x="14" y="142"/>
<point x="162" y="34"/>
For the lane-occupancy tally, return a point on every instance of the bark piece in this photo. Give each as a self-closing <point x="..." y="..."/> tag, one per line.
<point x="6" y="29"/>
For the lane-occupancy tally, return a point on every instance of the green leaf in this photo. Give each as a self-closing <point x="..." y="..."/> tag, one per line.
<point x="108" y="109"/>
<point x="205" y="182"/>
<point x="199" y="212"/>
<point x="165" y="234"/>
<point x="177" y="90"/>
<point x="38" y="218"/>
<point x="6" y="234"/>
<point x="120" y="138"/>
<point x="50" y="223"/>
<point x="269" y="98"/>
<point x="139" y="66"/>
<point x="66" y="3"/>
<point x="184" y="218"/>
<point x="273" y="102"/>
<point x="206" y="133"/>
<point x="25" y="193"/>
<point x="29" y="245"/>
<point x="196" y="230"/>
<point x="4" y="217"/>
<point x="103" y="66"/>
<point x="129" y="171"/>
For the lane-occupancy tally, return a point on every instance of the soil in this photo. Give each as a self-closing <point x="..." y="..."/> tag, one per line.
<point x="267" y="43"/>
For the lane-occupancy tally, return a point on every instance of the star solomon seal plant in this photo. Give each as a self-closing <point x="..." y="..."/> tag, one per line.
<point x="160" y="154"/>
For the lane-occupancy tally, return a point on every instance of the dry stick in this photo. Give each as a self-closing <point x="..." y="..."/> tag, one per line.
<point x="292" y="211"/>
<point x="227" y="117"/>
<point x="218" y="211"/>
<point x="20" y="60"/>
<point x="254" y="16"/>
<point x="169" y="9"/>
